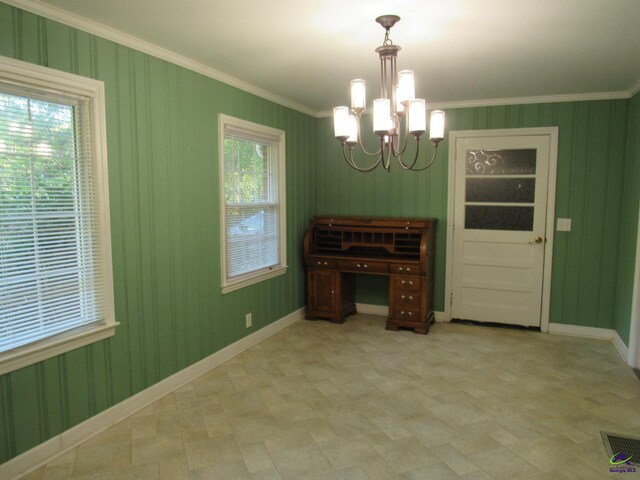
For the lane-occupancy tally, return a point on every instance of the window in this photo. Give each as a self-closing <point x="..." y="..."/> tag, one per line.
<point x="253" y="208"/>
<point x="55" y="255"/>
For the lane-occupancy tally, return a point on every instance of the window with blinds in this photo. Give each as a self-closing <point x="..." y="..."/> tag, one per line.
<point x="52" y="265"/>
<point x="253" y="205"/>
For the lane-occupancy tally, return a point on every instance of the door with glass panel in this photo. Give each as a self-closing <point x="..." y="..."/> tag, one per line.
<point x="499" y="228"/>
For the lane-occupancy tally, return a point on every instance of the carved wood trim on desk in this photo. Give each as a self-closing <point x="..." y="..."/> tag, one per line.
<point x="402" y="248"/>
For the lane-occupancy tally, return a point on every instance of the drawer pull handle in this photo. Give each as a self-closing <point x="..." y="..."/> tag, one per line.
<point x="365" y="265"/>
<point x="410" y="298"/>
<point x="402" y="312"/>
<point x="325" y="263"/>
<point x="403" y="282"/>
<point x="358" y="265"/>
<point x="400" y="269"/>
<point x="319" y="263"/>
<point x="410" y="314"/>
<point x="408" y="269"/>
<point x="332" y="292"/>
<point x="403" y="297"/>
<point x="410" y="283"/>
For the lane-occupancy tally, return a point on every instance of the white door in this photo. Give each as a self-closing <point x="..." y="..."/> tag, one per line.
<point x="500" y="205"/>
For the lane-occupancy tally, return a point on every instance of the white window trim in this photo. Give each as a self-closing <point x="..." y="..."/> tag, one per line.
<point x="278" y="136"/>
<point x="55" y="81"/>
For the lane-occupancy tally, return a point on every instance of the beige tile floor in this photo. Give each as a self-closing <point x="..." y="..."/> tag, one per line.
<point x="353" y="401"/>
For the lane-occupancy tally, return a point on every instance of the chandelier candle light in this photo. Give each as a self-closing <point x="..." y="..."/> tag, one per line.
<point x="397" y="103"/>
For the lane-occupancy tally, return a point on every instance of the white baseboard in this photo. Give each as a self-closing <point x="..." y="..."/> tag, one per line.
<point x="441" y="317"/>
<point x="592" y="332"/>
<point x="60" y="444"/>
<point x="580" y="331"/>
<point x="622" y="348"/>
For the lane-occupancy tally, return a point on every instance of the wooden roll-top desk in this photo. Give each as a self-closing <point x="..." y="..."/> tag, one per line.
<point x="335" y="248"/>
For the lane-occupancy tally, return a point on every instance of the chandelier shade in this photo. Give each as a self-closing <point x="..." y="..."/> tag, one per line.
<point x="397" y="114"/>
<point x="358" y="94"/>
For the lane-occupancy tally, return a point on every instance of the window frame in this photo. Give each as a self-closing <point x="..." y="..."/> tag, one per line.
<point x="275" y="137"/>
<point x="40" y="81"/>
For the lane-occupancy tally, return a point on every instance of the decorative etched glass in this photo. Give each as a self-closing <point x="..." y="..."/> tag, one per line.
<point x="503" y="190"/>
<point x="501" y="162"/>
<point x="498" y="218"/>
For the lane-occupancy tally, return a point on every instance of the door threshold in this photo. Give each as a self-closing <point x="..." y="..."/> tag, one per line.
<point x="463" y="321"/>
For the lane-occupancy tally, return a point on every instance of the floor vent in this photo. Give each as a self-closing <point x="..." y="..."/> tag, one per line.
<point x="622" y="445"/>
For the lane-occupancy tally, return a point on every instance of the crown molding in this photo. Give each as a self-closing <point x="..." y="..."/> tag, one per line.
<point x="101" y="30"/>
<point x="496" y="102"/>
<point x="109" y="33"/>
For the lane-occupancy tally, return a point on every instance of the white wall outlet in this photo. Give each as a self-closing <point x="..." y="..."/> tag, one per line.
<point x="564" y="225"/>
<point x="248" y="320"/>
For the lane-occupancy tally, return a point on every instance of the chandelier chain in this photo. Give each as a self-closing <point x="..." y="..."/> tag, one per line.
<point x="387" y="40"/>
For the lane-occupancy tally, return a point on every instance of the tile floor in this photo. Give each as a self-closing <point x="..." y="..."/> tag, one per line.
<point x="353" y="401"/>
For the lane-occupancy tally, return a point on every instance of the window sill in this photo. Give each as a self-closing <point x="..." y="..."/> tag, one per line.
<point x="238" y="284"/>
<point x="56" y="345"/>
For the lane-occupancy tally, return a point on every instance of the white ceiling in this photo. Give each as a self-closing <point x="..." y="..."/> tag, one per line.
<point x="306" y="52"/>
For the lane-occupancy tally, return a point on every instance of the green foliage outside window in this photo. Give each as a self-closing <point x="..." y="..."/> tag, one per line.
<point x="245" y="172"/>
<point x="38" y="190"/>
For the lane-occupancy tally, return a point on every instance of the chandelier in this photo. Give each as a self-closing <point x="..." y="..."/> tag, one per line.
<point x="396" y="110"/>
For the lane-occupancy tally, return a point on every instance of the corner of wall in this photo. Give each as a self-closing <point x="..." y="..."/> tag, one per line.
<point x="629" y="247"/>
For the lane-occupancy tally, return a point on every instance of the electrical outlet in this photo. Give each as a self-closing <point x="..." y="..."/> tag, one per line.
<point x="248" y="320"/>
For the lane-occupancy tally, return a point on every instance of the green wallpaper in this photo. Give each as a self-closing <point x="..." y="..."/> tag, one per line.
<point x="629" y="227"/>
<point x="163" y="176"/>
<point x="590" y="176"/>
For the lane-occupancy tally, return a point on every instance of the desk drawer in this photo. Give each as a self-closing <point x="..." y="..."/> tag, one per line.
<point x="405" y="268"/>
<point x="321" y="262"/>
<point x="406" y="314"/>
<point x="403" y="282"/>
<point x="406" y="299"/>
<point x="363" y="266"/>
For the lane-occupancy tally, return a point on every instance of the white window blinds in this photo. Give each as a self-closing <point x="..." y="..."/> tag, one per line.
<point x="50" y="256"/>
<point x="252" y="207"/>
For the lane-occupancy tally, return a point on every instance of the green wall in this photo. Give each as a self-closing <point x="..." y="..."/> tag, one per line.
<point x="629" y="227"/>
<point x="590" y="174"/>
<point x="162" y="132"/>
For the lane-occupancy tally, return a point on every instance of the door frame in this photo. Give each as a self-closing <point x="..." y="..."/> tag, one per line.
<point x="633" y="356"/>
<point x="552" y="132"/>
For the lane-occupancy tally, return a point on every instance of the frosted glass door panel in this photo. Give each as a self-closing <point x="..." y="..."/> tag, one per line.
<point x="501" y="162"/>
<point x="508" y="190"/>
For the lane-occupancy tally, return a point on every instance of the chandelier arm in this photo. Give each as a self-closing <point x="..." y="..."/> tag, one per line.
<point x="351" y="162"/>
<point x="393" y="151"/>
<point x="415" y="158"/>
<point x="364" y="150"/>
<point x="433" y="159"/>
<point x="406" y="133"/>
<point x="346" y="159"/>
<point x="386" y="164"/>
<point x="406" y="138"/>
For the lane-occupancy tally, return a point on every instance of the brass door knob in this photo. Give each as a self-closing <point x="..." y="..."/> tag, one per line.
<point x="536" y="240"/>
